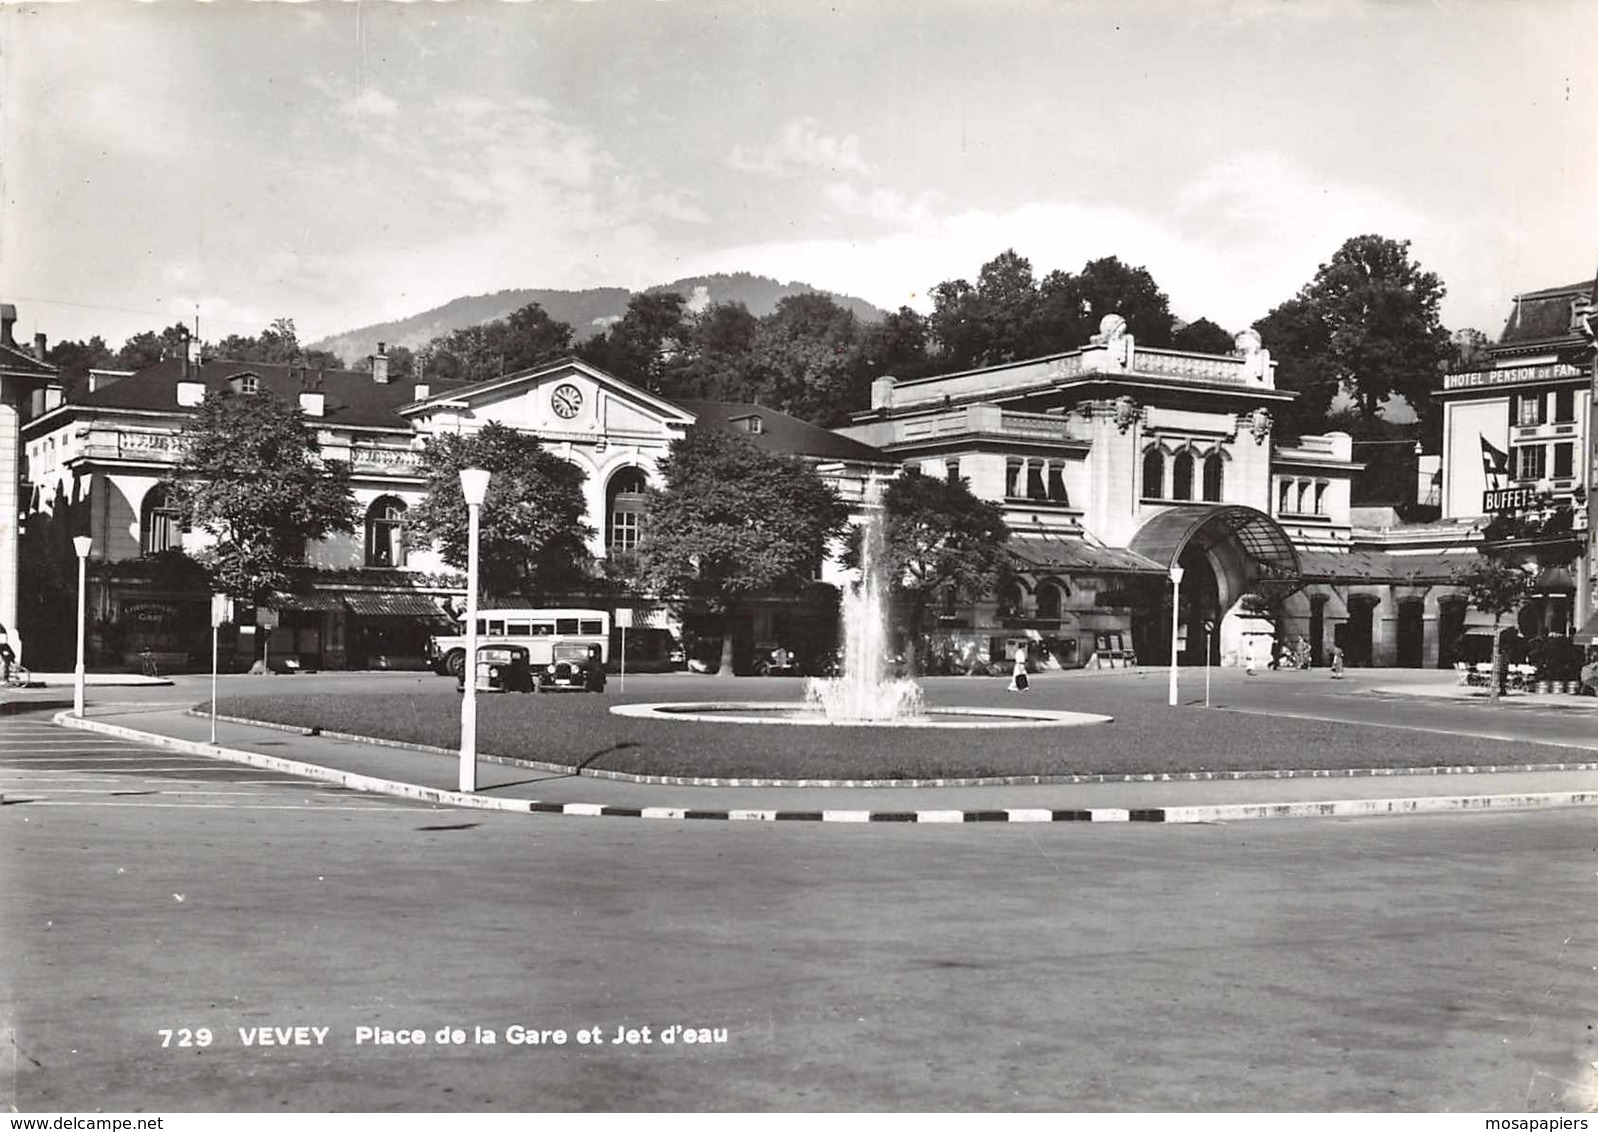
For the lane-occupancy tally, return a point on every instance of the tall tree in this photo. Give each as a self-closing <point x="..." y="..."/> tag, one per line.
<point x="525" y="338"/>
<point x="720" y="358"/>
<point x="1369" y="319"/>
<point x="1108" y="286"/>
<point x="940" y="543"/>
<point x="648" y="344"/>
<point x="533" y="539"/>
<point x="995" y="321"/>
<point x="252" y="475"/>
<point x="806" y="359"/>
<point x="147" y="347"/>
<point x="1300" y="342"/>
<point x="76" y="359"/>
<point x="277" y="344"/>
<point x="1202" y="337"/>
<point x="897" y="346"/>
<point x="731" y="523"/>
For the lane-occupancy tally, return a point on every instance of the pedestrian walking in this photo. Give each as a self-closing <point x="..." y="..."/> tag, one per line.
<point x="1337" y="662"/>
<point x="8" y="655"/>
<point x="1018" y="673"/>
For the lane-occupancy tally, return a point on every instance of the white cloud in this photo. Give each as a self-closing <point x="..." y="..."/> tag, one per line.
<point x="800" y="147"/>
<point x="371" y="103"/>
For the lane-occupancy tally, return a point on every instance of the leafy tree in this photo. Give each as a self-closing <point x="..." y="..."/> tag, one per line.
<point x="1300" y="343"/>
<point x="1007" y="316"/>
<point x="251" y="474"/>
<point x="1108" y="286"/>
<point x="806" y="359"/>
<point x="1368" y="322"/>
<point x="533" y="540"/>
<point x="646" y="346"/>
<point x="897" y="346"/>
<point x="993" y="322"/>
<point x="1467" y="348"/>
<point x="76" y="359"/>
<point x="720" y="358"/>
<point x="523" y="339"/>
<point x="1498" y="588"/>
<point x="147" y="347"/>
<point x="277" y="344"/>
<point x="1203" y="337"/>
<point x="732" y="523"/>
<point x="940" y="544"/>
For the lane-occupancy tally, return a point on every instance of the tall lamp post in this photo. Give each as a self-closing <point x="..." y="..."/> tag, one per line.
<point x="474" y="486"/>
<point x="1176" y="603"/>
<point x="81" y="544"/>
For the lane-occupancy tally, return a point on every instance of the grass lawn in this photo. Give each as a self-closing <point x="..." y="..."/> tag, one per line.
<point x="1146" y="737"/>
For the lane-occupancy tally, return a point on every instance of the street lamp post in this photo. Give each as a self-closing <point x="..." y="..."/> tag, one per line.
<point x="474" y="486"/>
<point x="1176" y="603"/>
<point x="81" y="544"/>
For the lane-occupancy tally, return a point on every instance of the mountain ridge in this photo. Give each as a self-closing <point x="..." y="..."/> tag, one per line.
<point x="588" y="312"/>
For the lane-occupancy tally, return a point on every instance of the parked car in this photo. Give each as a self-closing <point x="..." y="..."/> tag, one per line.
<point x="575" y="668"/>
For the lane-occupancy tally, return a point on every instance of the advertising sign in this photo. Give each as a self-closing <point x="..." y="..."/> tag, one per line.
<point x="1508" y="499"/>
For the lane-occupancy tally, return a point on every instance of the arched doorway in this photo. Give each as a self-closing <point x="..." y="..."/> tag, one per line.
<point x="1225" y="552"/>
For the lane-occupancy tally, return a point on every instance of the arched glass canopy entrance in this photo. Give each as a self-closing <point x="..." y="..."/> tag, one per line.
<point x="1224" y="552"/>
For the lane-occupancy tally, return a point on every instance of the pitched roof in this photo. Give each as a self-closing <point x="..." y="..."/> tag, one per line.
<point x="782" y="433"/>
<point x="14" y="359"/>
<point x="1078" y="556"/>
<point x="351" y="397"/>
<point x="1543" y="317"/>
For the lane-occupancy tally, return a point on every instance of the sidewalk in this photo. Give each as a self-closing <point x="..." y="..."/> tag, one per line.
<point x="519" y="787"/>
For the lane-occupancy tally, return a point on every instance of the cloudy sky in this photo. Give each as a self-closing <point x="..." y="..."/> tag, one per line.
<point x="345" y="163"/>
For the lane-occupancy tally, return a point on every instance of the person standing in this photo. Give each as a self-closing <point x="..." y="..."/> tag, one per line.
<point x="1337" y="662"/>
<point x="1018" y="673"/>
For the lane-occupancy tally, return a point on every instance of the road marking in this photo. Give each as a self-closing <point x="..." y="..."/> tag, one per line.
<point x="367" y="807"/>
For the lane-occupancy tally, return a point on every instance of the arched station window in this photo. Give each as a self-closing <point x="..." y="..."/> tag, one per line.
<point x="624" y="509"/>
<point x="1182" y="476"/>
<point x="385" y="532"/>
<point x="1153" y="474"/>
<point x="1214" y="473"/>
<point x="161" y="524"/>
<point x="1051" y="598"/>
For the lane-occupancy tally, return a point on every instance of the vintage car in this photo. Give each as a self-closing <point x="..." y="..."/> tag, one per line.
<point x="575" y="668"/>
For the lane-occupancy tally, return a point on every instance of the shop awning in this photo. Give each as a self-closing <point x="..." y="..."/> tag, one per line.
<point x="407" y="605"/>
<point x="314" y="602"/>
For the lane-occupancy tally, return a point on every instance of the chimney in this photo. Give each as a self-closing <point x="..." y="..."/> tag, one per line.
<point x="39" y="346"/>
<point x="380" y="364"/>
<point x="8" y="316"/>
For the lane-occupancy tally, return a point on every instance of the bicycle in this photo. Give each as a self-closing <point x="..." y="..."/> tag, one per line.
<point x="147" y="665"/>
<point x="18" y="677"/>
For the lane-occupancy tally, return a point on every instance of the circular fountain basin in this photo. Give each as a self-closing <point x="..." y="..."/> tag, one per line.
<point x="800" y="715"/>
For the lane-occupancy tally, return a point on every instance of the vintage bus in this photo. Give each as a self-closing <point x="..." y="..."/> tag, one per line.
<point x="539" y="630"/>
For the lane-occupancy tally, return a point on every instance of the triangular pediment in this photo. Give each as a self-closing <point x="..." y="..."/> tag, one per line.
<point x="564" y="400"/>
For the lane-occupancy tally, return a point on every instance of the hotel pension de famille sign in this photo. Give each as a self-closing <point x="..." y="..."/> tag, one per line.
<point x="1511" y="375"/>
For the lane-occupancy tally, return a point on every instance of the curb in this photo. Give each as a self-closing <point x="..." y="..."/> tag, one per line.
<point x="1166" y="815"/>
